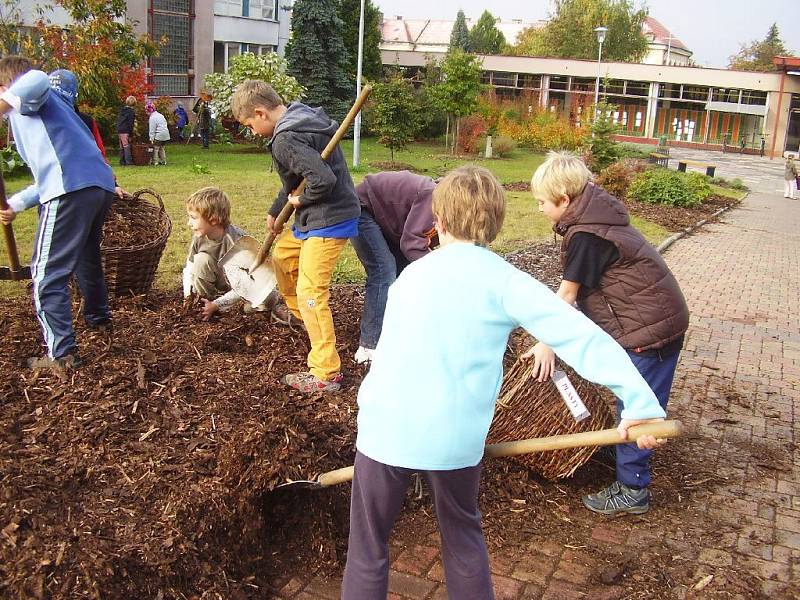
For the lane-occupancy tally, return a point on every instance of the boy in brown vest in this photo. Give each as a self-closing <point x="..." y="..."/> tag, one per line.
<point x="623" y="284"/>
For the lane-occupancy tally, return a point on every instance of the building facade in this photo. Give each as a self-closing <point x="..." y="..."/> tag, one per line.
<point x="201" y="36"/>
<point x="714" y="108"/>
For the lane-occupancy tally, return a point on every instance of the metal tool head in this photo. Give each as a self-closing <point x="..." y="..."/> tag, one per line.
<point x="302" y="484"/>
<point x="6" y="273"/>
<point x="254" y="286"/>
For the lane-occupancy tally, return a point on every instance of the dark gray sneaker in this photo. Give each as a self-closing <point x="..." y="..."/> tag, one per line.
<point x="618" y="499"/>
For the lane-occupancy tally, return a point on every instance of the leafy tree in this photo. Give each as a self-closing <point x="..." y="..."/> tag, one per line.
<point x="395" y="113"/>
<point x="350" y="13"/>
<point x="457" y="92"/>
<point x="758" y="55"/>
<point x="316" y="56"/>
<point x="99" y="46"/>
<point x="459" y="37"/>
<point x="485" y="38"/>
<point x="570" y="31"/>
<point x="266" y="67"/>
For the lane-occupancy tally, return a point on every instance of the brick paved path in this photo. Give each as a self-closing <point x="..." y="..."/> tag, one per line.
<point x="742" y="281"/>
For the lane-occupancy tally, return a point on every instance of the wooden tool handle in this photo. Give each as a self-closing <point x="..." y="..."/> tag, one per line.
<point x="604" y="437"/>
<point x="288" y="209"/>
<point x="8" y="232"/>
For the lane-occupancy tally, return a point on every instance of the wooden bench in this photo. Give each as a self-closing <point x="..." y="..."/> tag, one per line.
<point x="662" y="160"/>
<point x="682" y="164"/>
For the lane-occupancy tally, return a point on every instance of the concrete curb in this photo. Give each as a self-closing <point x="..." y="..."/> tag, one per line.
<point x="663" y="246"/>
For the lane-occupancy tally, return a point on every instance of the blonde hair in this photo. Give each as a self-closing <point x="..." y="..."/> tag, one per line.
<point x="561" y="174"/>
<point x="252" y="94"/>
<point x="470" y="204"/>
<point x="130" y="100"/>
<point x="11" y="67"/>
<point x="212" y="204"/>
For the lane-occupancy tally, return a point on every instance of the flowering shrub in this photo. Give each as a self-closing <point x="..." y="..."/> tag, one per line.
<point x="470" y="131"/>
<point x="542" y="131"/>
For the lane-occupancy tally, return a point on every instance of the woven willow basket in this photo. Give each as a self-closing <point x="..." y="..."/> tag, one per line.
<point x="528" y="409"/>
<point x="131" y="269"/>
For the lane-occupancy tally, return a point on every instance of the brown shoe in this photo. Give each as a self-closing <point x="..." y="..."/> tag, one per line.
<point x="281" y="314"/>
<point x="63" y="363"/>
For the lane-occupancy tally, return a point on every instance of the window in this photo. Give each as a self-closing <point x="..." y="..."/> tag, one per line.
<point x="695" y="92"/>
<point x="670" y="90"/>
<point x="725" y="95"/>
<point x="172" y="19"/>
<point x="615" y="86"/>
<point x="754" y="97"/>
<point x="255" y="9"/>
<point x="504" y="79"/>
<point x="228" y="8"/>
<point x="486" y="77"/>
<point x="558" y="82"/>
<point x="526" y="80"/>
<point x="637" y="88"/>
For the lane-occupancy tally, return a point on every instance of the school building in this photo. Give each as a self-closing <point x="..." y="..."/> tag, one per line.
<point x="202" y="35"/>
<point x="691" y="106"/>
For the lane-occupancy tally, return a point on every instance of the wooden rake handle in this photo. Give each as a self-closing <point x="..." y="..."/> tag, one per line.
<point x="288" y="209"/>
<point x="604" y="437"/>
<point x="8" y="233"/>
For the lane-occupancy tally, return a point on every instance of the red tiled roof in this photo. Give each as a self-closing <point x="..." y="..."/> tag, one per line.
<point x="661" y="34"/>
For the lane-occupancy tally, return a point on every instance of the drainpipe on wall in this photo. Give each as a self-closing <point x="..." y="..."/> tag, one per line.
<point x="780" y="103"/>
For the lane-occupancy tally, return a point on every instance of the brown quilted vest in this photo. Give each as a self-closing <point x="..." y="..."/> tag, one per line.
<point x="638" y="301"/>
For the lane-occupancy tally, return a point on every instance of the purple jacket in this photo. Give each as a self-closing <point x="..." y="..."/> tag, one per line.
<point x="401" y="204"/>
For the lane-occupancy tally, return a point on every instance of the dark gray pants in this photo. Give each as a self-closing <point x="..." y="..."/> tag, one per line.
<point x="378" y="493"/>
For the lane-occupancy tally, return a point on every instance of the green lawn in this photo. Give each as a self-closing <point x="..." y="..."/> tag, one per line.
<point x="244" y="174"/>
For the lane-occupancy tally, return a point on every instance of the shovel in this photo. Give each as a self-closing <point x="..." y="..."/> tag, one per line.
<point x="604" y="437"/>
<point x="15" y="272"/>
<point x="243" y="264"/>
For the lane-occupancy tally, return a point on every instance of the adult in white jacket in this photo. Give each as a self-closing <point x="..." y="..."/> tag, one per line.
<point x="159" y="134"/>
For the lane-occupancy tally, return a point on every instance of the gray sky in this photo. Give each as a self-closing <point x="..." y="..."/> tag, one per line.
<point x="712" y="29"/>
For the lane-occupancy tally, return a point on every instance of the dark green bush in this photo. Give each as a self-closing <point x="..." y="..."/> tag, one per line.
<point x="662" y="186"/>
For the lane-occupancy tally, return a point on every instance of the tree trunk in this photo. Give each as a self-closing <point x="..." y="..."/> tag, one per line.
<point x="446" y="134"/>
<point x="455" y="137"/>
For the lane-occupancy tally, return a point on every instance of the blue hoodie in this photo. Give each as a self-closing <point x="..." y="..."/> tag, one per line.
<point x="51" y="138"/>
<point x="428" y="399"/>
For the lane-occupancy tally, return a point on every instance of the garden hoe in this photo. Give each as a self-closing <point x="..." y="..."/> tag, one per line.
<point x="244" y="266"/>
<point x="604" y="437"/>
<point x="15" y="272"/>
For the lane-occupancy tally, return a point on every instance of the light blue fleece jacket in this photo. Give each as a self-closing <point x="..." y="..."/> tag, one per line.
<point x="51" y="138"/>
<point x="428" y="399"/>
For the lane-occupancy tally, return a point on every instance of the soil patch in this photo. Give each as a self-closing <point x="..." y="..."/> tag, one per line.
<point x="674" y="218"/>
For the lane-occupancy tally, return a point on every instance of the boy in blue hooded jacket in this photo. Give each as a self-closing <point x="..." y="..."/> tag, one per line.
<point x="73" y="188"/>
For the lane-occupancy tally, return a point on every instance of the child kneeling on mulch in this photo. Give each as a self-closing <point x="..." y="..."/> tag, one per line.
<point x="427" y="402"/>
<point x="621" y="282"/>
<point x="209" y="211"/>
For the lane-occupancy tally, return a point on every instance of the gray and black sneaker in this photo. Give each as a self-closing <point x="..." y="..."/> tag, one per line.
<point x="619" y="499"/>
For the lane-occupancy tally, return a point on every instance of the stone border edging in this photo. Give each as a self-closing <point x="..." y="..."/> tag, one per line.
<point x="663" y="246"/>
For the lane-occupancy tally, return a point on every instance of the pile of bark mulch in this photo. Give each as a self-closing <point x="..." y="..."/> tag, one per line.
<point x="674" y="218"/>
<point x="151" y="471"/>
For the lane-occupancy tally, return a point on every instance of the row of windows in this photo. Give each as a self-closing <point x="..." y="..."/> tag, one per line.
<point x="619" y="87"/>
<point x="255" y="9"/>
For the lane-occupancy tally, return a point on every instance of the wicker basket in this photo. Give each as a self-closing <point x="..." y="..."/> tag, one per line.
<point x="130" y="269"/>
<point x="528" y="409"/>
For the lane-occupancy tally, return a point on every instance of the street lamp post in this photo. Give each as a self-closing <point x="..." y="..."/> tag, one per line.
<point x="601" y="37"/>
<point x="669" y="48"/>
<point x="357" y="125"/>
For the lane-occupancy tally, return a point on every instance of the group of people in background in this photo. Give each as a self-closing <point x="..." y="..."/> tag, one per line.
<point x="158" y="132"/>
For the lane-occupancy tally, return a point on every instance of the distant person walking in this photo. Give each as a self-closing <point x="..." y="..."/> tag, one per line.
<point x="203" y="111"/>
<point x="125" y="121"/>
<point x="159" y="134"/>
<point x="790" y="178"/>
<point x="181" y="120"/>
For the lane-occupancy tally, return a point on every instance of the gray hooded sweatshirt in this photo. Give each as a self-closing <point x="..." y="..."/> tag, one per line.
<point x="299" y="138"/>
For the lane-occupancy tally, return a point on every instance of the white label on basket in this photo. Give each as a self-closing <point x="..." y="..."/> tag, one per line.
<point x="570" y="396"/>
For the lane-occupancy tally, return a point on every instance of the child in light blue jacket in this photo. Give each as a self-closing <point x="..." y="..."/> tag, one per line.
<point x="73" y="188"/>
<point x="428" y="400"/>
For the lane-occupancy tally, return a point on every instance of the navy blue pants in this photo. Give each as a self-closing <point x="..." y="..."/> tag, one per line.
<point x="68" y="242"/>
<point x="633" y="463"/>
<point x="383" y="263"/>
<point x="377" y="496"/>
